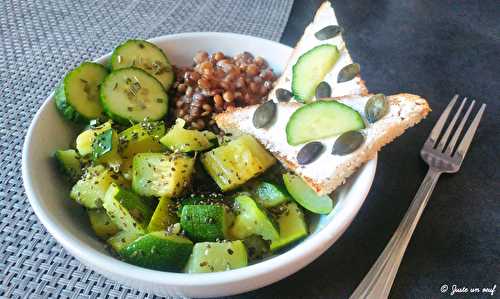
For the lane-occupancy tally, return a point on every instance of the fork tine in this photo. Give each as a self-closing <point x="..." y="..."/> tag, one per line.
<point x="464" y="145"/>
<point x="447" y="133"/>
<point x="454" y="139"/>
<point x="440" y="123"/>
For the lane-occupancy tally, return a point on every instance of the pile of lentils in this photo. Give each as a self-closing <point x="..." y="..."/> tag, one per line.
<point x="218" y="82"/>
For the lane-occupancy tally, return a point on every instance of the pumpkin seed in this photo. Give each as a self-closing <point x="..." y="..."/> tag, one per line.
<point x="376" y="108"/>
<point x="309" y="152"/>
<point x="348" y="72"/>
<point x="264" y="114"/>
<point x="323" y="90"/>
<point x="283" y="95"/>
<point x="329" y="32"/>
<point x="347" y="143"/>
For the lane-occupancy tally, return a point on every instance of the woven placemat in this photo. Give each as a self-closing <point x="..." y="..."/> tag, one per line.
<point x="39" y="42"/>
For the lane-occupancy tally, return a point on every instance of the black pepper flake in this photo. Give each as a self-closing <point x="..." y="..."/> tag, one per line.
<point x="230" y="251"/>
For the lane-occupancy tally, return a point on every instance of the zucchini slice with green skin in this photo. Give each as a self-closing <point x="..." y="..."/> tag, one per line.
<point x="160" y="174"/>
<point x="184" y="140"/>
<point x="322" y="119"/>
<point x="122" y="239"/>
<point x="90" y="190"/>
<point x="216" y="257"/>
<point x="159" y="251"/>
<point x="163" y="216"/>
<point x="292" y="225"/>
<point x="310" y="69"/>
<point x="102" y="225"/>
<point x="132" y="95"/>
<point x="127" y="210"/>
<point x="204" y="222"/>
<point x="69" y="164"/>
<point x="252" y="220"/>
<point x="146" y="56"/>
<point x="306" y="196"/>
<point x="77" y="97"/>
<point x="269" y="195"/>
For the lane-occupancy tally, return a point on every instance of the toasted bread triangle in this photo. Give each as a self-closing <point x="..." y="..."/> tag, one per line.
<point x="329" y="171"/>
<point x="325" y="16"/>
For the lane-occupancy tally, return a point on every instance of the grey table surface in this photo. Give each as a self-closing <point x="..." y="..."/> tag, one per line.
<point x="434" y="49"/>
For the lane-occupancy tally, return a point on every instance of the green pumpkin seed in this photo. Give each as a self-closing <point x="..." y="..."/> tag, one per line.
<point x="283" y="95"/>
<point x="309" y="152"/>
<point x="376" y="108"/>
<point x="347" y="143"/>
<point x="264" y="114"/>
<point x="328" y="32"/>
<point x="323" y="90"/>
<point x="348" y="72"/>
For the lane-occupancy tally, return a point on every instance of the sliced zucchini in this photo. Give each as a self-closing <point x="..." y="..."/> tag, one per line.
<point x="132" y="95"/>
<point x="164" y="216"/>
<point x="102" y="225"/>
<point x="77" y="97"/>
<point x="321" y="119"/>
<point x="311" y="68"/>
<point x="146" y="56"/>
<point x="127" y="210"/>
<point x="306" y="196"/>
<point x="140" y="138"/>
<point x="233" y="164"/>
<point x="159" y="251"/>
<point x="159" y="174"/>
<point x="216" y="257"/>
<point x="184" y="140"/>
<point x="90" y="190"/>
<point x="85" y="139"/>
<point x="268" y="194"/>
<point x="292" y="225"/>
<point x="69" y="164"/>
<point x="252" y="220"/>
<point x="122" y="239"/>
<point x="204" y="222"/>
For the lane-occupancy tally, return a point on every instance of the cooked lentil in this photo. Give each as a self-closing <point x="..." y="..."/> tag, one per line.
<point x="218" y="82"/>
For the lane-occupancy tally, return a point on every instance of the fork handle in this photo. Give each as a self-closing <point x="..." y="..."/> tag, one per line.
<point x="378" y="282"/>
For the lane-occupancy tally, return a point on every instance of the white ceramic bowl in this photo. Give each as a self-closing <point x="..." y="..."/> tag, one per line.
<point x="67" y="222"/>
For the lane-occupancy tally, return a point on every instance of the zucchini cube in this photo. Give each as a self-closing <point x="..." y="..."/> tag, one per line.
<point x="102" y="224"/>
<point x="159" y="250"/>
<point x="159" y="174"/>
<point x="164" y="216"/>
<point x="90" y="190"/>
<point x="127" y="210"/>
<point x="233" y="164"/>
<point x="216" y="257"/>
<point x="204" y="222"/>
<point x="140" y="138"/>
<point x="184" y="140"/>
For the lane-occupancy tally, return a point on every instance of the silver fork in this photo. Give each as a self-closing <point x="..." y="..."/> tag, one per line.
<point x="441" y="157"/>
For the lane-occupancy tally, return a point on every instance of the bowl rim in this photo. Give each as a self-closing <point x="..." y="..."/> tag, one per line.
<point x="314" y="245"/>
